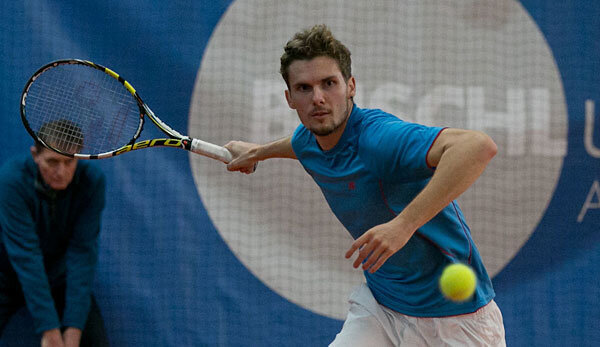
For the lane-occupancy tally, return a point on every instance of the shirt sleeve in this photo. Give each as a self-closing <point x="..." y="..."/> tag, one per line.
<point x="23" y="248"/>
<point x="82" y="256"/>
<point x="398" y="149"/>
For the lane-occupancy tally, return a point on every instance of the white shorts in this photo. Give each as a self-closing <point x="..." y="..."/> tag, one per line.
<point x="370" y="324"/>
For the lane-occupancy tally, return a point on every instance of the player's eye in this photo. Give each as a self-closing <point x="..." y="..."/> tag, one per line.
<point x="303" y="88"/>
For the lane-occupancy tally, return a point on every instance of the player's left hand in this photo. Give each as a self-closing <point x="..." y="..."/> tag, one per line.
<point x="378" y="244"/>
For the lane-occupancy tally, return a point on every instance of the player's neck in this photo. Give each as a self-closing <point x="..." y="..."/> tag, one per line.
<point x="329" y="141"/>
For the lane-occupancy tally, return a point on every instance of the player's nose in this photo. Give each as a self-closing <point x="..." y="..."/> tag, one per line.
<point x="318" y="96"/>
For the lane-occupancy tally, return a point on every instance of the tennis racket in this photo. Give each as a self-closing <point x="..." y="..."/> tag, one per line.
<point x="84" y="110"/>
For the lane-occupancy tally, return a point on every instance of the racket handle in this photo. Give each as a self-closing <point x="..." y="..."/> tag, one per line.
<point x="210" y="150"/>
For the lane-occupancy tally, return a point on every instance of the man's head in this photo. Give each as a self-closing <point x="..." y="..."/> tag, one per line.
<point x="316" y="68"/>
<point x="56" y="169"/>
<point x="61" y="134"/>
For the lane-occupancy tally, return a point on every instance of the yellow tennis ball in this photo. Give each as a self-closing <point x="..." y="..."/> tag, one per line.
<point x="458" y="282"/>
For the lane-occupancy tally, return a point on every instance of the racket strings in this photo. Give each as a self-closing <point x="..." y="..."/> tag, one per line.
<point x="76" y="108"/>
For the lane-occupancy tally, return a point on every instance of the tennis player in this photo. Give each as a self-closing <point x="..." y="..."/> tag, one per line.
<point x="393" y="185"/>
<point x="50" y="208"/>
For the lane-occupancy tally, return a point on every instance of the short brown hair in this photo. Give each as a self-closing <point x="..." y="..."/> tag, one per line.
<point x="62" y="134"/>
<point x="315" y="42"/>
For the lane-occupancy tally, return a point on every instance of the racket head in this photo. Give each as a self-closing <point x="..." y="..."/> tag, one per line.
<point x="81" y="109"/>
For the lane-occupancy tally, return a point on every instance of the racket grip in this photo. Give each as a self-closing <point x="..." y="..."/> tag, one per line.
<point x="210" y="150"/>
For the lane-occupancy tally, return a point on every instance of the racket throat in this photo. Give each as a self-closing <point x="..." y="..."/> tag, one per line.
<point x="162" y="142"/>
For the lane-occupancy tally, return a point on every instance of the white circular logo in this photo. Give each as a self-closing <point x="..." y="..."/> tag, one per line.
<point x="480" y="64"/>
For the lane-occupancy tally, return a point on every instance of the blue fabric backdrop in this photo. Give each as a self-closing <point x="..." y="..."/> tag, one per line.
<point x="165" y="276"/>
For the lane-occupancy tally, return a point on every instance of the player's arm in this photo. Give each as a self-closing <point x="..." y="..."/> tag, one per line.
<point x="460" y="157"/>
<point x="81" y="257"/>
<point x="246" y="155"/>
<point x="25" y="255"/>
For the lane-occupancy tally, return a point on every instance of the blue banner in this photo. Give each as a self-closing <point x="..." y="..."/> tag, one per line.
<point x="181" y="258"/>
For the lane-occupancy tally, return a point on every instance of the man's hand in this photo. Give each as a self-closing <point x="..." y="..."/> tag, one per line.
<point x="72" y="336"/>
<point x="52" y="338"/>
<point x="244" y="159"/>
<point x="246" y="155"/>
<point x="378" y="244"/>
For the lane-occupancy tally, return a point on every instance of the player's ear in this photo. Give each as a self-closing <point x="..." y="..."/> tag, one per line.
<point x="289" y="100"/>
<point x="33" y="151"/>
<point x="351" y="87"/>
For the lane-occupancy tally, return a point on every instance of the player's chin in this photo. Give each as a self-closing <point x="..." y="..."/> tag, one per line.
<point x="59" y="186"/>
<point x="322" y="130"/>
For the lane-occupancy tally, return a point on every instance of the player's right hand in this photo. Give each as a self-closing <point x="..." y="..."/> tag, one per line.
<point x="243" y="156"/>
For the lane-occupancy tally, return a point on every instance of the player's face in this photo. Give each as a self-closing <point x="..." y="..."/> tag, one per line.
<point x="321" y="97"/>
<point x="56" y="170"/>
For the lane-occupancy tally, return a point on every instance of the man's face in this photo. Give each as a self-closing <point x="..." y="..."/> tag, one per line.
<point x="321" y="97"/>
<point x="56" y="170"/>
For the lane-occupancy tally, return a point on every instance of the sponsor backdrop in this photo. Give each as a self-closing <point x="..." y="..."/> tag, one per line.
<point x="191" y="255"/>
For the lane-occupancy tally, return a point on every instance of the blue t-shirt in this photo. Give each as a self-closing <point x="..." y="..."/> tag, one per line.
<point x="378" y="166"/>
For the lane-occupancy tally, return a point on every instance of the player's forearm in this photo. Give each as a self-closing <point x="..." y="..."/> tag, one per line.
<point x="459" y="167"/>
<point x="281" y="148"/>
<point x="246" y="155"/>
<point x="79" y="281"/>
<point x="27" y="261"/>
<point x="81" y="259"/>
